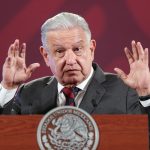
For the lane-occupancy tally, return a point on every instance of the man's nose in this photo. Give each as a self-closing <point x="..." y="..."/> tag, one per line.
<point x="70" y="57"/>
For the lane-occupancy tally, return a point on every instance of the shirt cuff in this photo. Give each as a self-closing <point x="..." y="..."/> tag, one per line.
<point x="145" y="103"/>
<point x="6" y="95"/>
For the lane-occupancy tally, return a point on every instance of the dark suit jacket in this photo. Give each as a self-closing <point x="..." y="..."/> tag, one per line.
<point x="106" y="94"/>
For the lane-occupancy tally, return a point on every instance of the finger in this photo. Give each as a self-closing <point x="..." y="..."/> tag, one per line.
<point x="32" y="68"/>
<point x="8" y="62"/>
<point x="11" y="51"/>
<point x="140" y="50"/>
<point x="129" y="55"/>
<point x="134" y="50"/>
<point x="146" y="57"/>
<point x="16" y="46"/>
<point x="23" y="51"/>
<point x="121" y="74"/>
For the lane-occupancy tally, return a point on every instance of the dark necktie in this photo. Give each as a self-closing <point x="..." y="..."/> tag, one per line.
<point x="70" y="94"/>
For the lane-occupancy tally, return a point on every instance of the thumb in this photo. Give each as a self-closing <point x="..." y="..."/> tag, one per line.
<point x="31" y="68"/>
<point x="121" y="74"/>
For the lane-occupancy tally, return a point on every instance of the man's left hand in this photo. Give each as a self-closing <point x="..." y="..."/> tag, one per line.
<point x="139" y="75"/>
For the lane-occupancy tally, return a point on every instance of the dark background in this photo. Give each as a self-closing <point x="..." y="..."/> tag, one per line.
<point x="114" y="23"/>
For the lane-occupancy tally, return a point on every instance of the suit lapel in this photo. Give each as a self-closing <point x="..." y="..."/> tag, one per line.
<point x="94" y="92"/>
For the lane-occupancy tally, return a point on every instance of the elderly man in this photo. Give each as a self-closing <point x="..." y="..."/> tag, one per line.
<point x="69" y="52"/>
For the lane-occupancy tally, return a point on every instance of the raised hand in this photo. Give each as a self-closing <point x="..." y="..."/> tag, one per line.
<point x="14" y="69"/>
<point x="139" y="75"/>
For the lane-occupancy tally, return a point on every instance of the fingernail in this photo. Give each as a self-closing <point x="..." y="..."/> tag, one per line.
<point x="138" y="43"/>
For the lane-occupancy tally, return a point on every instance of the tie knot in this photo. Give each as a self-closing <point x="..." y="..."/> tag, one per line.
<point x="70" y="93"/>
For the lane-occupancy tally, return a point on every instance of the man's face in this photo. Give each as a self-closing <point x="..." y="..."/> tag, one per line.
<point x="70" y="55"/>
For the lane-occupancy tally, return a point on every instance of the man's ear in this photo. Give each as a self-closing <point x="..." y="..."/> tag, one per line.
<point x="92" y="47"/>
<point x="44" y="53"/>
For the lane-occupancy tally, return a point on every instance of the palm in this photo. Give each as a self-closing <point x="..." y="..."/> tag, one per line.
<point x="15" y="70"/>
<point x="139" y="75"/>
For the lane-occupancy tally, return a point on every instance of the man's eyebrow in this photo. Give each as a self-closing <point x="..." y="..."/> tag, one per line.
<point x="79" y="42"/>
<point x="55" y="45"/>
<point x="59" y="45"/>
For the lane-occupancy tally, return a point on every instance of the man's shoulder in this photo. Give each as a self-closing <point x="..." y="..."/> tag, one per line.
<point x="112" y="77"/>
<point x="106" y="77"/>
<point x="39" y="81"/>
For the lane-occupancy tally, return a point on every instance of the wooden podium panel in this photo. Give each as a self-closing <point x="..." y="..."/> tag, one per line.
<point x="123" y="132"/>
<point x="117" y="132"/>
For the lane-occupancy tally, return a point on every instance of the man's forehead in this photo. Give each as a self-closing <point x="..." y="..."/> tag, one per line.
<point x="62" y="37"/>
<point x="78" y="42"/>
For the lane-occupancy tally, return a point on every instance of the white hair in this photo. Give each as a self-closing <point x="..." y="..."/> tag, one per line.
<point x="64" y="20"/>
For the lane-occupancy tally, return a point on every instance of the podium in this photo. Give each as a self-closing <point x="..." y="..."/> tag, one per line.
<point x="117" y="132"/>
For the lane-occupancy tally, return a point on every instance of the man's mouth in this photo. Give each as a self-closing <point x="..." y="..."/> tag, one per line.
<point x="71" y="72"/>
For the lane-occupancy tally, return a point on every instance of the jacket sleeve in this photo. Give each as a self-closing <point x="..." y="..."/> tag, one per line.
<point x="133" y="103"/>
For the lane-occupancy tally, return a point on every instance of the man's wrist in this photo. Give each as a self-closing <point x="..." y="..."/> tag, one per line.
<point x="8" y="86"/>
<point x="143" y="92"/>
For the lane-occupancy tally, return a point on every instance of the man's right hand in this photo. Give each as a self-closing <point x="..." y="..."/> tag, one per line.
<point x="15" y="71"/>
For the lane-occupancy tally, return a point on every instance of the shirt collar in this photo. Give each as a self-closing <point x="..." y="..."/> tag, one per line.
<point x="83" y="85"/>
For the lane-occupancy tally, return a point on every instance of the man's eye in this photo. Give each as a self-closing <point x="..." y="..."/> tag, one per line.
<point x="59" y="50"/>
<point x="76" y="49"/>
